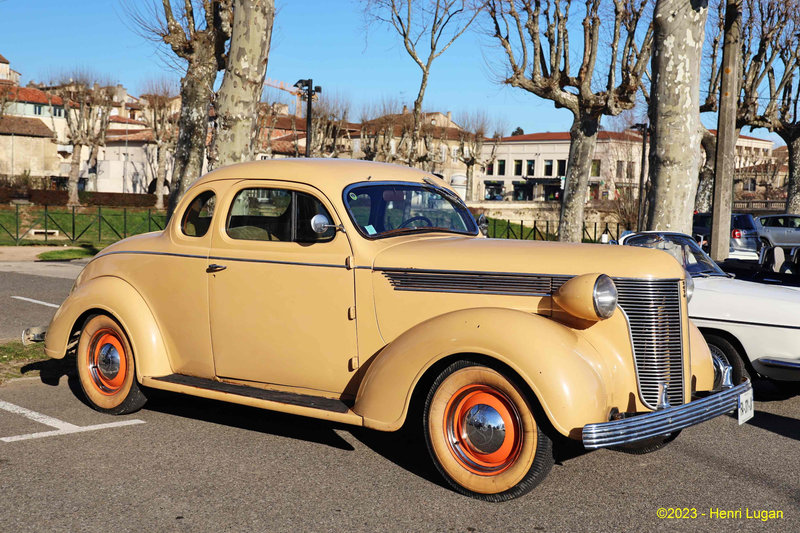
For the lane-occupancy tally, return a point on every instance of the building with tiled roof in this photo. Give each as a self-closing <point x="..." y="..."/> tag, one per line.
<point x="26" y="146"/>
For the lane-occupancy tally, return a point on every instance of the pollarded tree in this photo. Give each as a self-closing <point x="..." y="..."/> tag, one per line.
<point x="197" y="33"/>
<point x="87" y="109"/>
<point x="160" y="117"/>
<point x="428" y="28"/>
<point x="675" y="113"/>
<point x="238" y="98"/>
<point x="535" y="37"/>
<point x="472" y="136"/>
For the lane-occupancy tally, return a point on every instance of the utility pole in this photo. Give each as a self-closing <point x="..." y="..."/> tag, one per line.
<point x="310" y="90"/>
<point x="726" y="133"/>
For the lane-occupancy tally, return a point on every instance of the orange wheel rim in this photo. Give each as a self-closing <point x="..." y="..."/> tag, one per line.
<point x="483" y="429"/>
<point x="107" y="362"/>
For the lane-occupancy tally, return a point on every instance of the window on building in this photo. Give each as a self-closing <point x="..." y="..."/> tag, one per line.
<point x="501" y="167"/>
<point x="490" y="169"/>
<point x="548" y="167"/>
<point x="454" y="153"/>
<point x="749" y="185"/>
<point x="595" y="168"/>
<point x="38" y="109"/>
<point x="523" y="191"/>
<point x="58" y="111"/>
<point x="530" y="167"/>
<point x="631" y="175"/>
<point x="562" y="167"/>
<point x="518" y="167"/>
<point x="493" y="190"/>
<point x="620" y="170"/>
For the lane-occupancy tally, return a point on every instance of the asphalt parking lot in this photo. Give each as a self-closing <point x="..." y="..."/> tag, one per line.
<point x="189" y="464"/>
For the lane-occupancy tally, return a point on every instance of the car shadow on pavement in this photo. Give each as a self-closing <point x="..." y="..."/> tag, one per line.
<point x="247" y="418"/>
<point x="765" y="390"/>
<point x="778" y="424"/>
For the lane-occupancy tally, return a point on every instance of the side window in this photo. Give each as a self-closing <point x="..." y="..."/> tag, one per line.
<point x="197" y="218"/>
<point x="260" y="214"/>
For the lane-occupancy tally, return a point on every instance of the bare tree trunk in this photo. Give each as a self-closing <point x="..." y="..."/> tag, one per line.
<point x="705" y="188"/>
<point x="196" y="92"/>
<point x="161" y="175"/>
<point x="74" y="176"/>
<point x="793" y="185"/>
<point x="675" y="112"/>
<point x="417" y="125"/>
<point x="240" y="93"/>
<point x="583" y="138"/>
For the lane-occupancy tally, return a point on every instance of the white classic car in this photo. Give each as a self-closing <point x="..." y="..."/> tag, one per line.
<point x="752" y="326"/>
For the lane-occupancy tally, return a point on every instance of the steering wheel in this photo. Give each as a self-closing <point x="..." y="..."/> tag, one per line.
<point x="425" y="219"/>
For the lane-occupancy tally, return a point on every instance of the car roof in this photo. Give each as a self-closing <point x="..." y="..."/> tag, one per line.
<point x="329" y="175"/>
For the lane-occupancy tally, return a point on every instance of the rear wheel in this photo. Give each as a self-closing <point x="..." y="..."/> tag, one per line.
<point x="106" y="367"/>
<point x="482" y="434"/>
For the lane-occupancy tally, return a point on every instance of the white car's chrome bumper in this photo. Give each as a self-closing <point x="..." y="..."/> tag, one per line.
<point x="664" y="421"/>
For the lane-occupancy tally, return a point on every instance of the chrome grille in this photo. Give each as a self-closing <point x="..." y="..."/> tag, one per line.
<point x="653" y="309"/>
<point x="470" y="282"/>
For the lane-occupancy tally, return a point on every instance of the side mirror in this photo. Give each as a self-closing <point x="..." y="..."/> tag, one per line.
<point x="483" y="224"/>
<point x="320" y="224"/>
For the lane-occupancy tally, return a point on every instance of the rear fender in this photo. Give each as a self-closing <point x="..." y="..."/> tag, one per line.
<point x="118" y="299"/>
<point x="559" y="366"/>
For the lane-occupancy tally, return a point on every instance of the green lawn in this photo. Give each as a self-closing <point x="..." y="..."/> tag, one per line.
<point x="86" y="250"/>
<point x="14" y="357"/>
<point x="90" y="225"/>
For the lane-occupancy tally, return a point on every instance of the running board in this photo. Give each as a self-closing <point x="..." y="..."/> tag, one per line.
<point x="288" y="402"/>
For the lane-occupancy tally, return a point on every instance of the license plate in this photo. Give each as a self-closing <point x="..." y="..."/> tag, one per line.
<point x="745" y="406"/>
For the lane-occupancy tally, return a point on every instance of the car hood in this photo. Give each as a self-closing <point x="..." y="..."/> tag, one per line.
<point x="529" y="257"/>
<point x="744" y="301"/>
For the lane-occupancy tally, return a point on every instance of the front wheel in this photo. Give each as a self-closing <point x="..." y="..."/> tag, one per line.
<point x="482" y="434"/>
<point x="723" y="349"/>
<point x="106" y="367"/>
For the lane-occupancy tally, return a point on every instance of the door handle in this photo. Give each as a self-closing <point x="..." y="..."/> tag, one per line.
<point x="215" y="268"/>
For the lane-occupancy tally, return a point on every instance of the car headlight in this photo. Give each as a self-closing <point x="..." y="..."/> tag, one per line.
<point x="604" y="296"/>
<point x="588" y="296"/>
<point x="689" y="287"/>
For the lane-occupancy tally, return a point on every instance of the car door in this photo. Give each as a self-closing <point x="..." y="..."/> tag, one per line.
<point x="793" y="231"/>
<point x="282" y="300"/>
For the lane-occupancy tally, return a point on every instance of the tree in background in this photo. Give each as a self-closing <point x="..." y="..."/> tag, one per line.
<point x="517" y="131"/>
<point x="383" y="133"/>
<point x="766" y="36"/>
<point x="471" y="138"/>
<point x="87" y="109"/>
<point x="330" y="131"/>
<point x="159" y="116"/>
<point x="535" y="37"/>
<point x="675" y="113"/>
<point x="428" y="28"/>
<point x="238" y="99"/>
<point x="197" y="33"/>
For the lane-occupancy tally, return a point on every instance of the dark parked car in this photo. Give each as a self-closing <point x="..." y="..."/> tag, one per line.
<point x="744" y="233"/>
<point x="779" y="230"/>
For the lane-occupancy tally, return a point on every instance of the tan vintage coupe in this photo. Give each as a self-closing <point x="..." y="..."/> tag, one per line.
<point x="364" y="293"/>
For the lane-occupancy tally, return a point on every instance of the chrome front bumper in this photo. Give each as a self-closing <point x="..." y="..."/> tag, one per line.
<point x="662" y="422"/>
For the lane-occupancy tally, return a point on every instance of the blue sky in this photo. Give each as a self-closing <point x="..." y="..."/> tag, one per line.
<point x="325" y="40"/>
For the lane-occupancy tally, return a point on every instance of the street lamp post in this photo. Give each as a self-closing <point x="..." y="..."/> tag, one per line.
<point x="643" y="129"/>
<point x="308" y="87"/>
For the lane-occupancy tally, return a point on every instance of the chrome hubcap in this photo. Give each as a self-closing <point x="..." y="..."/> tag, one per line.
<point x="484" y="428"/>
<point x="108" y="361"/>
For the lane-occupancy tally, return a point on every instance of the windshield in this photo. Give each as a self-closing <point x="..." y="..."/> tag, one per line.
<point x="387" y="209"/>
<point x="682" y="248"/>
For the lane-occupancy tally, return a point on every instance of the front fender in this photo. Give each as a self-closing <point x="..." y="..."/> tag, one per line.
<point x="702" y="366"/>
<point x="562" y="369"/>
<point x="120" y="300"/>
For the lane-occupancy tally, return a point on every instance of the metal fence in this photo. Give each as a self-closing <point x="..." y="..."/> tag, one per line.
<point x="61" y="225"/>
<point x="547" y="230"/>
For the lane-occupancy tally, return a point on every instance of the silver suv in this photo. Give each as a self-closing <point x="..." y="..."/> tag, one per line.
<point x="779" y="230"/>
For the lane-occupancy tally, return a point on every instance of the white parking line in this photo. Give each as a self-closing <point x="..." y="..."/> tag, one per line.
<point x="62" y="428"/>
<point x="31" y="300"/>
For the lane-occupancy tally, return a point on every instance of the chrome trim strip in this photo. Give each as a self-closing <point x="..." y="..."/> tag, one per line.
<point x="657" y="423"/>
<point x="793" y="365"/>
<point x="220" y="258"/>
<point x="743" y="322"/>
